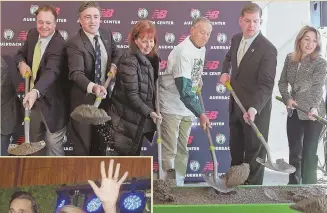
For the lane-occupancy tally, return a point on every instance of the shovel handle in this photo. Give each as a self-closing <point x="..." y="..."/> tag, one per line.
<point x="27" y="111"/>
<point x="106" y="85"/>
<point x="27" y="125"/>
<point x="97" y="102"/>
<point x="158" y="112"/>
<point x="211" y="146"/>
<point x="159" y="140"/>
<point x="319" y="119"/>
<point x="27" y="82"/>
<point x="254" y="127"/>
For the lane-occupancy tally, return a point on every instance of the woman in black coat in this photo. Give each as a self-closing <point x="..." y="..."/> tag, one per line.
<point x="132" y="108"/>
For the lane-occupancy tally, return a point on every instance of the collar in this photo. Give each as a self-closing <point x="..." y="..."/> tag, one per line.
<point x="142" y="58"/>
<point x="91" y="36"/>
<point x="252" y="38"/>
<point x="305" y="59"/>
<point x="189" y="40"/>
<point x="48" y="38"/>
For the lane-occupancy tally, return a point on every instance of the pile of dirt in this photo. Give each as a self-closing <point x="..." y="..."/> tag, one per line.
<point x="162" y="191"/>
<point x="294" y="194"/>
<point x="246" y="195"/>
<point x="316" y="204"/>
<point x="237" y="175"/>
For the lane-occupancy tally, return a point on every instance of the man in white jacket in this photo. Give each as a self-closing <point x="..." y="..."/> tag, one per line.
<point x="178" y="102"/>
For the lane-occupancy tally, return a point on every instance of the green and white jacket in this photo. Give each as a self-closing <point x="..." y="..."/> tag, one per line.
<point x="179" y="81"/>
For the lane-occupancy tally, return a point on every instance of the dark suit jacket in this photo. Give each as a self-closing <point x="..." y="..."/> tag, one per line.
<point x="253" y="80"/>
<point x="50" y="80"/>
<point x="10" y="110"/>
<point x="81" y="62"/>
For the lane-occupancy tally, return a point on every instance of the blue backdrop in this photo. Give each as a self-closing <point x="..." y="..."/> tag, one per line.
<point x="173" y="20"/>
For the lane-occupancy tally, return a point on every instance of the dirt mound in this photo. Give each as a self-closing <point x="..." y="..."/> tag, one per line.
<point x="237" y="175"/>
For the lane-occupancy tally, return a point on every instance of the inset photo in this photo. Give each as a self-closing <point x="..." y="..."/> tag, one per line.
<point x="76" y="185"/>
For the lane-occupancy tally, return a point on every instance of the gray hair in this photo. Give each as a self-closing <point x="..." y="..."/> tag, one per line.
<point x="88" y="4"/>
<point x="200" y="19"/>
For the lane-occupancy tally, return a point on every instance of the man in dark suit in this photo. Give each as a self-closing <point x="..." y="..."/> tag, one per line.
<point x="92" y="53"/>
<point x="43" y="57"/>
<point x="10" y="110"/>
<point x="253" y="61"/>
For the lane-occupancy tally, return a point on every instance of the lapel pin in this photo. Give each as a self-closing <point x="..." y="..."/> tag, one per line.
<point x="106" y="41"/>
<point x="252" y="50"/>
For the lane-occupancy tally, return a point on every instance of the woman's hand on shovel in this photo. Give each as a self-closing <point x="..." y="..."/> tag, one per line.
<point x="113" y="71"/>
<point x="155" y="117"/>
<point x="313" y="111"/>
<point x="290" y="103"/>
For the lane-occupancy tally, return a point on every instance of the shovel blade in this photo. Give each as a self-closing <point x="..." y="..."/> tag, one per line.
<point x="97" y="120"/>
<point x="26" y="148"/>
<point x="219" y="185"/>
<point x="279" y="166"/>
<point x="88" y="114"/>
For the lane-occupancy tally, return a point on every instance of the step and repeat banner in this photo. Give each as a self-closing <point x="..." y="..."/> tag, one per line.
<point x="173" y="21"/>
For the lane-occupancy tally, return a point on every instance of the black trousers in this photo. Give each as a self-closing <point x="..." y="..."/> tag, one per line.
<point x="5" y="141"/>
<point x="83" y="136"/>
<point x="244" y="144"/>
<point x="80" y="136"/>
<point x="303" y="138"/>
<point x="102" y="137"/>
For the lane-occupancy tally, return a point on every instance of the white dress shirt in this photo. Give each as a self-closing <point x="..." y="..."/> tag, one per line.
<point x="248" y="42"/>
